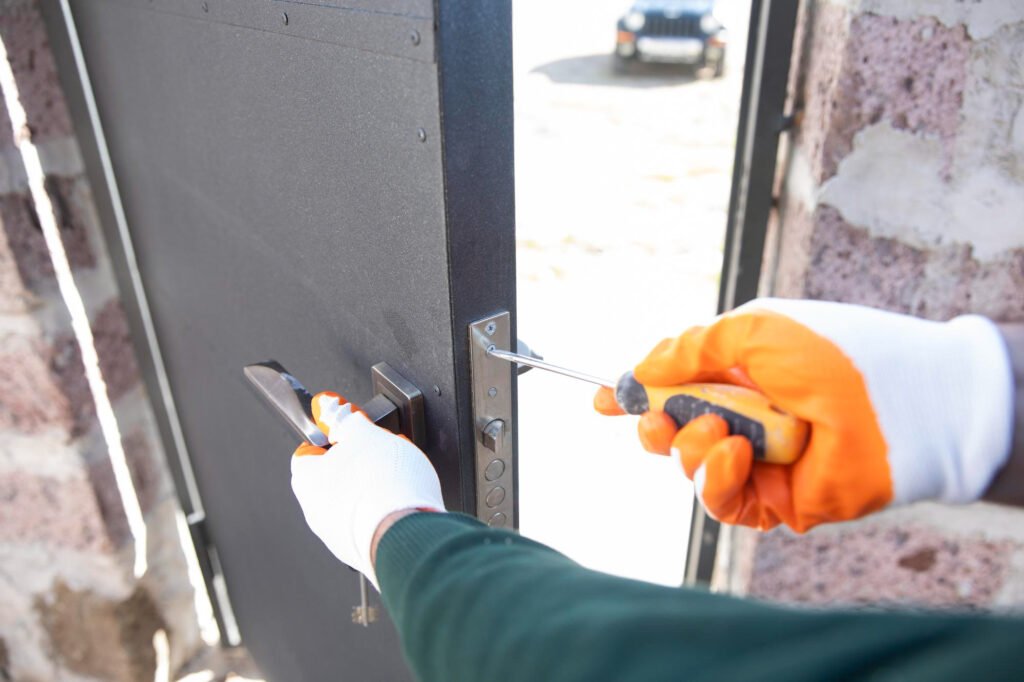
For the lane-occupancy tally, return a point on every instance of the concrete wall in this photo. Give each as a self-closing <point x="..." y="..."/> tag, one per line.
<point x="72" y="608"/>
<point x="902" y="188"/>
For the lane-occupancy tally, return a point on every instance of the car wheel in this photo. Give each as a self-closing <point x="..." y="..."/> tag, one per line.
<point x="623" y="65"/>
<point x="720" y="67"/>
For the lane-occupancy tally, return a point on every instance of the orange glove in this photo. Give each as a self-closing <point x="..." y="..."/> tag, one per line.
<point x="901" y="410"/>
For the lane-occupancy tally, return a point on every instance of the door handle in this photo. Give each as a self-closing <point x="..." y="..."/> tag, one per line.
<point x="397" y="405"/>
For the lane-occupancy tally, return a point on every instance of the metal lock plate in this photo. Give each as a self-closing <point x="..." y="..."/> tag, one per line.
<point x="492" y="421"/>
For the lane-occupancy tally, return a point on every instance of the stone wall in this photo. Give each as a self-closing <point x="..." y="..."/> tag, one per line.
<point x="902" y="188"/>
<point x="72" y="608"/>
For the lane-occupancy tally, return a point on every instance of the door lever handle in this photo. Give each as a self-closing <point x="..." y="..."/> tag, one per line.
<point x="397" y="405"/>
<point x="287" y="396"/>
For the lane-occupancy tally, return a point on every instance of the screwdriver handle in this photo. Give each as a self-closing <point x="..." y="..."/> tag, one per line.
<point x="776" y="436"/>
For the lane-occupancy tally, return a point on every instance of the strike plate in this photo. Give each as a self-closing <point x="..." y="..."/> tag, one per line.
<point x="492" y="421"/>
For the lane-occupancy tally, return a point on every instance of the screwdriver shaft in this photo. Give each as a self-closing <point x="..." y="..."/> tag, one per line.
<point x="529" y="361"/>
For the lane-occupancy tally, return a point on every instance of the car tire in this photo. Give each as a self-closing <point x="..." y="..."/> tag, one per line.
<point x="623" y="65"/>
<point x="719" y="67"/>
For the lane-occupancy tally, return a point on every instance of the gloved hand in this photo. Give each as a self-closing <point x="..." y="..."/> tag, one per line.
<point x="368" y="473"/>
<point x="901" y="409"/>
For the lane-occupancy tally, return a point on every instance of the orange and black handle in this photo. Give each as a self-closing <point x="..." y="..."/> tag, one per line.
<point x="776" y="436"/>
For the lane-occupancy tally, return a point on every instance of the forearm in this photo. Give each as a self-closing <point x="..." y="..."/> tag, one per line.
<point x="1008" y="485"/>
<point x="472" y="603"/>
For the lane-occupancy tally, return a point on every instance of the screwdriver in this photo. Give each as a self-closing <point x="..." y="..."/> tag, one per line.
<point x="776" y="436"/>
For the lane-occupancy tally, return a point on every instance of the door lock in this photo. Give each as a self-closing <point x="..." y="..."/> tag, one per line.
<point x="492" y="421"/>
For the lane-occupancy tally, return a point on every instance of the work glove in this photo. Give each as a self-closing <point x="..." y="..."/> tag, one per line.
<point x="368" y="473"/>
<point x="900" y="409"/>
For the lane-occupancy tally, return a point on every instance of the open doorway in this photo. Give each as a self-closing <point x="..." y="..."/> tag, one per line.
<point x="623" y="171"/>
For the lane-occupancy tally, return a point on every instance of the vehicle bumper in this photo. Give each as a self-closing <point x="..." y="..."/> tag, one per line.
<point x="670" y="50"/>
<point x="673" y="50"/>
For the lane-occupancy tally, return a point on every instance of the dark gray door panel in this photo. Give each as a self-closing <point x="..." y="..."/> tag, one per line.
<point x="331" y="191"/>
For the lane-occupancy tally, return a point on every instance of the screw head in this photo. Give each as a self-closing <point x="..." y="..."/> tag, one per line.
<point x="492" y="391"/>
<point x="491" y="328"/>
<point x="437" y="390"/>
<point x="421" y="134"/>
<point x="284" y="18"/>
<point x="414" y="37"/>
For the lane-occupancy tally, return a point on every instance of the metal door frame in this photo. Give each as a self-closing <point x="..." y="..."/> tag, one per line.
<point x="762" y="119"/>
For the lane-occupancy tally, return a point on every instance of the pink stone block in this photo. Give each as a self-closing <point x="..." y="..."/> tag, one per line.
<point x="847" y="264"/>
<point x="117" y="364"/>
<point x="909" y="73"/>
<point x="43" y="382"/>
<point x="6" y="132"/>
<point x="24" y="36"/>
<point x="20" y="223"/>
<point x="58" y="513"/>
<point x="68" y="373"/>
<point x="787" y="252"/>
<point x="823" y="49"/>
<point x="824" y="257"/>
<point x="33" y="394"/>
<point x="869" y="564"/>
<point x="114" y="347"/>
<point x="14" y="297"/>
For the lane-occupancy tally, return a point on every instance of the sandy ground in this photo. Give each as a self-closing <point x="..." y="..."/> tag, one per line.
<point x="622" y="186"/>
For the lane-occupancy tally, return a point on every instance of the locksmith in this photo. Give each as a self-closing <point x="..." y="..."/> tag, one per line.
<point x="901" y="410"/>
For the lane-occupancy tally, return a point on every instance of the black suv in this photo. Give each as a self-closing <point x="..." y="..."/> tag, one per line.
<point x="672" y="31"/>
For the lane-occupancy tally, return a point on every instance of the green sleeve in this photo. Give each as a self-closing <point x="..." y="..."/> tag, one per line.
<point x="472" y="603"/>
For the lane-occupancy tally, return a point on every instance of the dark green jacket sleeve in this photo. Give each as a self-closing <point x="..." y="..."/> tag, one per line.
<point x="480" y="605"/>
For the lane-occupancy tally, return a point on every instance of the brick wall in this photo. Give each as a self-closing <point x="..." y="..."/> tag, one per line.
<point x="72" y="607"/>
<point x="903" y="189"/>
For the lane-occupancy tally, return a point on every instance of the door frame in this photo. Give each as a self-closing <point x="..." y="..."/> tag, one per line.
<point x="762" y="120"/>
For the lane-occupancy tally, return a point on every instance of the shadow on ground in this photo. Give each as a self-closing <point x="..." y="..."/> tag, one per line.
<point x="604" y="69"/>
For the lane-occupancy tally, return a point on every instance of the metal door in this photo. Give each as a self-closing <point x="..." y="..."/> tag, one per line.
<point x="327" y="185"/>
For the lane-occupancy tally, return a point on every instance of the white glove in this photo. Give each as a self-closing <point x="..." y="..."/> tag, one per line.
<point x="346" y="491"/>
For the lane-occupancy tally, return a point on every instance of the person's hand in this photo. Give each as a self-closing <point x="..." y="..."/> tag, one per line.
<point x="367" y="475"/>
<point x="901" y="410"/>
